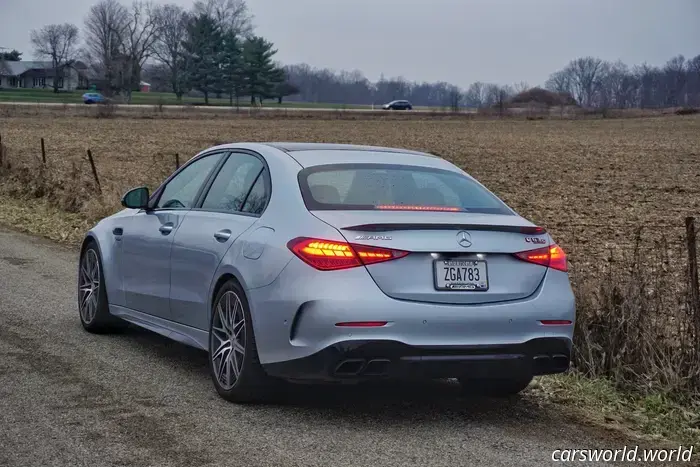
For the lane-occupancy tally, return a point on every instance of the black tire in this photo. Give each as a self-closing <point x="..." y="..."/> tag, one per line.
<point x="101" y="321"/>
<point x="252" y="384"/>
<point x="494" y="387"/>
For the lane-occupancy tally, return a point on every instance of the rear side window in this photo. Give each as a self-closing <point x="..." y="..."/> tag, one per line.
<point x="230" y="190"/>
<point x="400" y="187"/>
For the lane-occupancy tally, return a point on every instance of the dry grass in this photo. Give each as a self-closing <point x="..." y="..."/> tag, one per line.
<point x="590" y="182"/>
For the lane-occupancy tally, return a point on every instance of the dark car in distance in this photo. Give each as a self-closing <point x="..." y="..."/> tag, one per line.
<point x="398" y="105"/>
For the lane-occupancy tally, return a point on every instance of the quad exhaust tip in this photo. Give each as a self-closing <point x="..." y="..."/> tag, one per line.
<point x="360" y="366"/>
<point x="556" y="362"/>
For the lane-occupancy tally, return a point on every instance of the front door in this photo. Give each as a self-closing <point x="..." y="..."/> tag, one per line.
<point x="147" y="238"/>
<point x="232" y="205"/>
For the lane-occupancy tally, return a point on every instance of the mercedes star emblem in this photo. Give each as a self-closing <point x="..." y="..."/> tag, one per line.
<point x="464" y="239"/>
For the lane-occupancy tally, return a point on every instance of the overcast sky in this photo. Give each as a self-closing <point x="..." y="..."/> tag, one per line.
<point x="459" y="41"/>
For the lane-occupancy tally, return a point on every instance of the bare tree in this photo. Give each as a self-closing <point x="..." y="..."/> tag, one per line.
<point x="230" y="15"/>
<point x="167" y="48"/>
<point x="59" y="43"/>
<point x="474" y="96"/>
<point x="455" y="97"/>
<point x="138" y="39"/>
<point x="584" y="72"/>
<point x="675" y="80"/>
<point x="105" y="26"/>
<point x="519" y="87"/>
<point x="560" y="81"/>
<point x="693" y="69"/>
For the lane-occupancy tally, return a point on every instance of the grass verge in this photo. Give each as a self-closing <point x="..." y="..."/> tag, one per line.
<point x="655" y="416"/>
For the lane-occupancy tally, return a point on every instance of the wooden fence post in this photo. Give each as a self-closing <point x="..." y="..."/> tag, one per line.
<point x="94" y="171"/>
<point x="43" y="152"/>
<point x="694" y="299"/>
<point x="1" y="150"/>
<point x="177" y="161"/>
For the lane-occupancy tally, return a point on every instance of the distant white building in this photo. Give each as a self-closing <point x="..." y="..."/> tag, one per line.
<point x="40" y="74"/>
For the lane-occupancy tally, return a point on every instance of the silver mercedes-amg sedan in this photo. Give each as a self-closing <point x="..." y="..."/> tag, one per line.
<point x="336" y="263"/>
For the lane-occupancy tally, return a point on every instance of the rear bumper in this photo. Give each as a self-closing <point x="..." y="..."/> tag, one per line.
<point x="295" y="317"/>
<point x="370" y="359"/>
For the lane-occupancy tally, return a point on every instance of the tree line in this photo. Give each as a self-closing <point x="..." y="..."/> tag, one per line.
<point x="212" y="50"/>
<point x="592" y="82"/>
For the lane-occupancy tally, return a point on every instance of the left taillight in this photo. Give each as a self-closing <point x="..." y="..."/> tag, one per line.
<point x="551" y="256"/>
<point x="328" y="255"/>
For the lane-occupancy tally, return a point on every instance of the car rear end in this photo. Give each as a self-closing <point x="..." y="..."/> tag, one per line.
<point x="419" y="270"/>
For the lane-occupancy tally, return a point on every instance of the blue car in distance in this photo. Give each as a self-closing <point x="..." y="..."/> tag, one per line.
<point x="93" y="97"/>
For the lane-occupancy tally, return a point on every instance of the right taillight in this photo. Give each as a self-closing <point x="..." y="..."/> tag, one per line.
<point x="551" y="256"/>
<point x="329" y="255"/>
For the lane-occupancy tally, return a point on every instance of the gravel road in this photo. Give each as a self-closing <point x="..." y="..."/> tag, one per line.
<point x="68" y="398"/>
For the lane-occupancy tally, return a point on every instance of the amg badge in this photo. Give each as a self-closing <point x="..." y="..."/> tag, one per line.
<point x="373" y="237"/>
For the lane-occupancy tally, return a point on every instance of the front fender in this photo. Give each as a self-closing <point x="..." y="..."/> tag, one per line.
<point x="109" y="249"/>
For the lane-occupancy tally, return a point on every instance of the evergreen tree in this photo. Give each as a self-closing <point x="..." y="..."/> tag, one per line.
<point x="261" y="74"/>
<point x="11" y="56"/>
<point x="203" y="52"/>
<point x="232" y="67"/>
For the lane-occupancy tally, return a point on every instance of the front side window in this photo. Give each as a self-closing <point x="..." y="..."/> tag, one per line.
<point x="239" y="186"/>
<point x="392" y="186"/>
<point x="181" y="191"/>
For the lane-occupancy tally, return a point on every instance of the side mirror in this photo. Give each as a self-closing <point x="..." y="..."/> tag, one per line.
<point x="136" y="198"/>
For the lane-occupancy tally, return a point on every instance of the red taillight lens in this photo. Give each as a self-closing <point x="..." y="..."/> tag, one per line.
<point x="328" y="255"/>
<point x="550" y="256"/>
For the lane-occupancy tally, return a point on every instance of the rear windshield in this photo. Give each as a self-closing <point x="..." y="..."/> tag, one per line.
<point x="394" y="187"/>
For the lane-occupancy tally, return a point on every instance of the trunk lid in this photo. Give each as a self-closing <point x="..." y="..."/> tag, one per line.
<point x="473" y="252"/>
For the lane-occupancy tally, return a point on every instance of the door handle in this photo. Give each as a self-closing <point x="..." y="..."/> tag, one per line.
<point x="165" y="229"/>
<point x="222" y="235"/>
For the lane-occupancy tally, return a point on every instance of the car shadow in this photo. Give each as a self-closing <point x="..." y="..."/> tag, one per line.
<point x="388" y="400"/>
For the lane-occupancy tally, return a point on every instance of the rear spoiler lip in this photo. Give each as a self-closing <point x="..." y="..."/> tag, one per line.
<point x="388" y="227"/>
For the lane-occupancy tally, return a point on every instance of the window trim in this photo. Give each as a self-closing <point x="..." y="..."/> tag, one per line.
<point x="313" y="205"/>
<point x="265" y="171"/>
<point x="155" y="197"/>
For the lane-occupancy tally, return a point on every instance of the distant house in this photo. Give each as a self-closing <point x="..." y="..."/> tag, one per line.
<point x="144" y="86"/>
<point x="40" y="74"/>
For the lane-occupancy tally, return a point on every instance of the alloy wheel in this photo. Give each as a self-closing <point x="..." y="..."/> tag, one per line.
<point x="89" y="286"/>
<point x="228" y="339"/>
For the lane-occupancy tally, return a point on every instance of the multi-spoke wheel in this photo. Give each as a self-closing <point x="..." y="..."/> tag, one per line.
<point x="228" y="332"/>
<point x="92" y="297"/>
<point x="233" y="356"/>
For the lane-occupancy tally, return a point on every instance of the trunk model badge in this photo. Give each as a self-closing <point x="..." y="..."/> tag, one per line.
<point x="535" y="240"/>
<point x="464" y="239"/>
<point x="373" y="237"/>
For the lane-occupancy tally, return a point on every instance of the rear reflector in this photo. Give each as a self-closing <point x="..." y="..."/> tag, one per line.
<point x="550" y="256"/>
<point x="328" y="255"/>
<point x="362" y="324"/>
<point x="555" y="322"/>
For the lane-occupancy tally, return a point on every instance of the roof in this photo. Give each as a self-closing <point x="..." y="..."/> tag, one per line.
<point x="17" y="68"/>
<point x="10" y="68"/>
<point x="294" y="147"/>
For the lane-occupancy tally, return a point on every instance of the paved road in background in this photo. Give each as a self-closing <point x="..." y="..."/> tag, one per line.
<point x="69" y="398"/>
<point x="220" y="108"/>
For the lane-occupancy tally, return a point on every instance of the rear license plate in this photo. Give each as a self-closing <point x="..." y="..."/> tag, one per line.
<point x="461" y="274"/>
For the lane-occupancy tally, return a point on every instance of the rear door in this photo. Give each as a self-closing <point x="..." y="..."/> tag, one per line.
<point x="230" y="206"/>
<point x="461" y="238"/>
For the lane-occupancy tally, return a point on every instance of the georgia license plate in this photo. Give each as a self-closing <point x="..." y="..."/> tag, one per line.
<point x="461" y="274"/>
